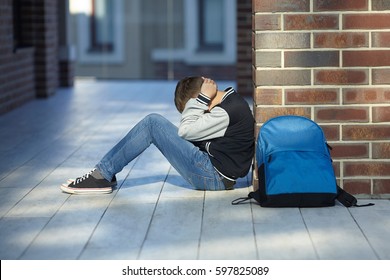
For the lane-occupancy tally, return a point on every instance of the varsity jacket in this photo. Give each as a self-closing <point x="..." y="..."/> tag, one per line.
<point x="226" y="132"/>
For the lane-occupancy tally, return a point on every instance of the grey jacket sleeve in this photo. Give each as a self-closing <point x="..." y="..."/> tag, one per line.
<point x="197" y="124"/>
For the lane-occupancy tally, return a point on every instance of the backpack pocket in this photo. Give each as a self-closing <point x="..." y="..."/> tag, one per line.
<point x="303" y="179"/>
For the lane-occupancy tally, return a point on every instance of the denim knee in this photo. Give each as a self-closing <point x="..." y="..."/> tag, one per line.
<point x="154" y="117"/>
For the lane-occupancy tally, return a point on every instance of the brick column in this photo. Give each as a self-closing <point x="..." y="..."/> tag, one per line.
<point x="244" y="42"/>
<point x="46" y="56"/>
<point x="17" y="81"/>
<point x="41" y="32"/>
<point x="329" y="60"/>
<point x="66" y="51"/>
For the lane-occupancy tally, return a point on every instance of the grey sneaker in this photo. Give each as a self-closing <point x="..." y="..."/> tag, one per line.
<point x="90" y="183"/>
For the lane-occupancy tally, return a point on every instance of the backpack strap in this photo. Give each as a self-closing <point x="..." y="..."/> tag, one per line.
<point x="347" y="199"/>
<point x="240" y="200"/>
<point x="256" y="195"/>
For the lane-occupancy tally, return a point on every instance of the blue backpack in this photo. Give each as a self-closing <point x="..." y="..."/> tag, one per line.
<point x="294" y="166"/>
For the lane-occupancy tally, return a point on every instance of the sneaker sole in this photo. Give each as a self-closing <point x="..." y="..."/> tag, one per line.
<point x="67" y="189"/>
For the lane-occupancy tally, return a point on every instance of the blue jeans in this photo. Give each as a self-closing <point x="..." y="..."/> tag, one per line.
<point x="192" y="164"/>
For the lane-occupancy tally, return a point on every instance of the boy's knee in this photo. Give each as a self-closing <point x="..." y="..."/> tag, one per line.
<point x="154" y="117"/>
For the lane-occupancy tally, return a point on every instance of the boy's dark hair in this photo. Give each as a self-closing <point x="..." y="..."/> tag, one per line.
<point x="186" y="88"/>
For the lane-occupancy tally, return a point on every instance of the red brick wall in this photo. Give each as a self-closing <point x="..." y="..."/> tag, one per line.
<point x="16" y="67"/>
<point x="329" y="60"/>
<point x="30" y="68"/>
<point x="43" y="16"/>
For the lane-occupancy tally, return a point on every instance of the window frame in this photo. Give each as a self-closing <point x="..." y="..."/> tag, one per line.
<point x="85" y="55"/>
<point x="191" y="53"/>
<point x="95" y="46"/>
<point x="203" y="44"/>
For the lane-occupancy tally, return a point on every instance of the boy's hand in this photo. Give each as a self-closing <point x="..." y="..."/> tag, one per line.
<point x="209" y="88"/>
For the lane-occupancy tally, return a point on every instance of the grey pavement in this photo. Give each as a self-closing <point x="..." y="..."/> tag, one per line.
<point x="153" y="213"/>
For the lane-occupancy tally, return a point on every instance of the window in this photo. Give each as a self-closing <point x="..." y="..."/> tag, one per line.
<point x="211" y="31"/>
<point x="102" y="26"/>
<point x="209" y="34"/>
<point x="100" y="31"/>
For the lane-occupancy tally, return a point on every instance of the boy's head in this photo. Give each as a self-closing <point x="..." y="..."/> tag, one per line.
<point x="187" y="88"/>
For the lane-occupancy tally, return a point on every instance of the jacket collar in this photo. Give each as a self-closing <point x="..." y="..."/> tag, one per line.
<point x="228" y="91"/>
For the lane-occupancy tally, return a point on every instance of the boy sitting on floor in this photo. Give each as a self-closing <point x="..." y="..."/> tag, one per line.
<point x="211" y="148"/>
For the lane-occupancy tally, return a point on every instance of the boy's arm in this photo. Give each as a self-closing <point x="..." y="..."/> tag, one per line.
<point x="197" y="124"/>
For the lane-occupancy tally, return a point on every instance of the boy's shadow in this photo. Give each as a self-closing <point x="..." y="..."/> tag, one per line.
<point x="175" y="180"/>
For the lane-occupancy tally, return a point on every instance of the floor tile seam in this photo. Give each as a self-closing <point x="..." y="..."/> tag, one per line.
<point x="70" y="131"/>
<point x="43" y="179"/>
<point x="82" y="143"/>
<point x="24" y="196"/>
<point x="201" y="227"/>
<point x="254" y="230"/>
<point x="152" y="217"/>
<point x="42" y="229"/>
<point x="56" y="139"/>
<point x="317" y="255"/>
<point x="57" y="166"/>
<point x="106" y="209"/>
<point x="364" y="235"/>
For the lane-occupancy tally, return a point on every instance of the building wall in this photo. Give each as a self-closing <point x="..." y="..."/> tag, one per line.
<point x="101" y="65"/>
<point x="45" y="59"/>
<point x="17" y="81"/>
<point x="244" y="49"/>
<point x="44" y="37"/>
<point x="159" y="39"/>
<point x="29" y="61"/>
<point x="329" y="60"/>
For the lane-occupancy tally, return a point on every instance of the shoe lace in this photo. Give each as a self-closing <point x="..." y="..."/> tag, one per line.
<point x="84" y="177"/>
